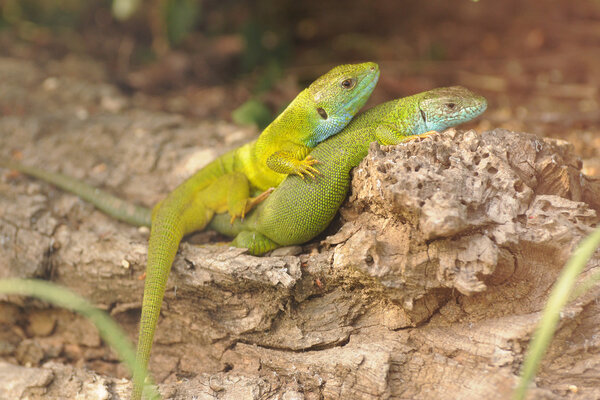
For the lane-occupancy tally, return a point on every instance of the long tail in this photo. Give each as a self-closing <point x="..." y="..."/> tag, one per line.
<point x="104" y="201"/>
<point x="165" y="236"/>
<point x="182" y="212"/>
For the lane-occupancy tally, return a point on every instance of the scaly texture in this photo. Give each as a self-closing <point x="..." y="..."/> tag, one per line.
<point x="318" y="112"/>
<point x="298" y="210"/>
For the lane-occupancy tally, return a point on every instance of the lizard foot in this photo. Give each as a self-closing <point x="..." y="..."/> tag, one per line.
<point x="421" y="136"/>
<point x="250" y="204"/>
<point x="256" y="243"/>
<point x="306" y="167"/>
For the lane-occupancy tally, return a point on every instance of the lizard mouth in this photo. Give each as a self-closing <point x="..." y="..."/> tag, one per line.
<point x="474" y="110"/>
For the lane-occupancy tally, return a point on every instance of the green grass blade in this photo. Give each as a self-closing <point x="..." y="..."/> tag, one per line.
<point x="557" y="300"/>
<point x="110" y="332"/>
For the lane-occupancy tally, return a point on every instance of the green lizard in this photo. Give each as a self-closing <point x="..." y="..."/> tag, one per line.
<point x="321" y="110"/>
<point x="316" y="113"/>
<point x="298" y="210"/>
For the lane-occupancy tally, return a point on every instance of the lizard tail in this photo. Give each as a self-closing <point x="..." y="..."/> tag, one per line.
<point x="164" y="242"/>
<point x="104" y="201"/>
<point x="180" y="213"/>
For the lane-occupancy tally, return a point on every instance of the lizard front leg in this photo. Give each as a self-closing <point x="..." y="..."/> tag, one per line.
<point x="294" y="159"/>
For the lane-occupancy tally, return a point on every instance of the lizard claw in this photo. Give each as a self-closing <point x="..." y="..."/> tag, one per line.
<point x="235" y="215"/>
<point x="421" y="136"/>
<point x="311" y="160"/>
<point x="306" y="167"/>
<point x="242" y="215"/>
<point x="250" y="204"/>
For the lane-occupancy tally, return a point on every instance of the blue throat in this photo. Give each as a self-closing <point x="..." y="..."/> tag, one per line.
<point x="328" y="128"/>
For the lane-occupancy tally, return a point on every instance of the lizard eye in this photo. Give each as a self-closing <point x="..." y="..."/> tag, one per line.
<point x="451" y="106"/>
<point x="322" y="113"/>
<point x="348" y="83"/>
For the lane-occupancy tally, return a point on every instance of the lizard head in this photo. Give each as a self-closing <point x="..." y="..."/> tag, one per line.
<point x="449" y="106"/>
<point x="337" y="96"/>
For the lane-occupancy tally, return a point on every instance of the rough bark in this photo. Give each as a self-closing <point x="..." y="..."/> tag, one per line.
<point x="430" y="288"/>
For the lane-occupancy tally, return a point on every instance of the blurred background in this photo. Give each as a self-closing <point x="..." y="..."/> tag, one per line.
<point x="537" y="62"/>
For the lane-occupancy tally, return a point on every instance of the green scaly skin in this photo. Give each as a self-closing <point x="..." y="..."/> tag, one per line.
<point x="318" y="112"/>
<point x="298" y="210"/>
